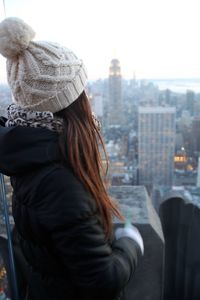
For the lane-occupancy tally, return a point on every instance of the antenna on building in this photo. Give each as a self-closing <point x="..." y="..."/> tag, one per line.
<point x="134" y="75"/>
<point x="4" y="7"/>
<point x="115" y="54"/>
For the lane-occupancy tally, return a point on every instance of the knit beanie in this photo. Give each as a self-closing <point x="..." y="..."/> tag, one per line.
<point x="43" y="76"/>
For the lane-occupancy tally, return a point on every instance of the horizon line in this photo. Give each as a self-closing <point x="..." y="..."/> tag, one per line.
<point x="137" y="79"/>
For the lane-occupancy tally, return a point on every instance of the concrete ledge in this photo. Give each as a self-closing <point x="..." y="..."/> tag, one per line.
<point x="147" y="282"/>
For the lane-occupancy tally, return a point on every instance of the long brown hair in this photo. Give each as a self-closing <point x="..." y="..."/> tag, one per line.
<point x="79" y="145"/>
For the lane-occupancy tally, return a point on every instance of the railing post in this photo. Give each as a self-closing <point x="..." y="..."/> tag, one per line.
<point x="9" y="238"/>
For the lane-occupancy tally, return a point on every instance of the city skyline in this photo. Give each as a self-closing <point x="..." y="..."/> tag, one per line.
<point x="151" y="39"/>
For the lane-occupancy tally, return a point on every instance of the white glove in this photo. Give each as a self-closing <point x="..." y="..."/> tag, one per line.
<point x="132" y="232"/>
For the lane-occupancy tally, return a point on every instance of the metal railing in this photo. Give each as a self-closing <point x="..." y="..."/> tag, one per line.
<point x="13" y="278"/>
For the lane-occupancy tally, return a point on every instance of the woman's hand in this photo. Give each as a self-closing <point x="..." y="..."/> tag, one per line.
<point x="132" y="232"/>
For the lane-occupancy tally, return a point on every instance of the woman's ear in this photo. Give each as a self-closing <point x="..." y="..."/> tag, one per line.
<point x="96" y="121"/>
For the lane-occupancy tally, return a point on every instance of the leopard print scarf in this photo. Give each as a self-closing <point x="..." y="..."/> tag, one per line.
<point x="19" y="116"/>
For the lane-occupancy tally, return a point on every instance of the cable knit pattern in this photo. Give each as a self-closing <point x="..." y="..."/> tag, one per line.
<point x="43" y="76"/>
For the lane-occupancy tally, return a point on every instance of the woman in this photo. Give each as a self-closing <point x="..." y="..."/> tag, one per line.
<point x="49" y="147"/>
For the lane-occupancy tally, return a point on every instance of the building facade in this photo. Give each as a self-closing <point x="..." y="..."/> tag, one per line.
<point x="195" y="134"/>
<point x="198" y="173"/>
<point x="156" y="145"/>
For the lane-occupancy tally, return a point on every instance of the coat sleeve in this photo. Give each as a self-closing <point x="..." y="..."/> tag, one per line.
<point x="70" y="217"/>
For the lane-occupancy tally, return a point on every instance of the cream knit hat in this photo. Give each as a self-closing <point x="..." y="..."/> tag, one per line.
<point x="43" y="76"/>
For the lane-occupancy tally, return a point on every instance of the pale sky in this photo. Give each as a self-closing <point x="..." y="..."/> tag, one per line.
<point x="153" y="38"/>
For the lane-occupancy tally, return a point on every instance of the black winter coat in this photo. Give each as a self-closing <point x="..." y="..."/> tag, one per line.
<point x="60" y="227"/>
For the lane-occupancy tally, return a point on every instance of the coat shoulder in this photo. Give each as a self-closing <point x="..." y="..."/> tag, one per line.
<point x="61" y="190"/>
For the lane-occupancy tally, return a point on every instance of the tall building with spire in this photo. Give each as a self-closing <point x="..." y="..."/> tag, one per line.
<point x="115" y="116"/>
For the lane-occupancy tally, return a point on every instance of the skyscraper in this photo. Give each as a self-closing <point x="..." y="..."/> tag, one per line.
<point x="115" y="94"/>
<point x="198" y="173"/>
<point x="195" y="134"/>
<point x="190" y="102"/>
<point x="156" y="144"/>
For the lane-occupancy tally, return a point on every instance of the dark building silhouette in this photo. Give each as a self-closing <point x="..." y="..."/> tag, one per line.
<point x="180" y="220"/>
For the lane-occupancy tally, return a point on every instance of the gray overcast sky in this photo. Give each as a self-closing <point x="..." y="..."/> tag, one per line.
<point x="153" y="38"/>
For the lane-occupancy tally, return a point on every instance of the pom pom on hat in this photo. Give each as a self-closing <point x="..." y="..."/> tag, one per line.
<point x="15" y="36"/>
<point x="43" y="76"/>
